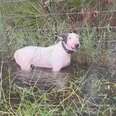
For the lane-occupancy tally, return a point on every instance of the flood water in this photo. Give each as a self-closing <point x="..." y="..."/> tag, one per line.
<point x="96" y="80"/>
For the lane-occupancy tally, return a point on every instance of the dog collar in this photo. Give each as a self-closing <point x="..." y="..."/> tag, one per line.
<point x="66" y="50"/>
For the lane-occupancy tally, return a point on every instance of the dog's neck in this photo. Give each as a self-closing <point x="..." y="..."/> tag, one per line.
<point x="65" y="48"/>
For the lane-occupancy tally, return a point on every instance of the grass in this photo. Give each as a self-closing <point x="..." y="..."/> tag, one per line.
<point x="71" y="101"/>
<point x="17" y="31"/>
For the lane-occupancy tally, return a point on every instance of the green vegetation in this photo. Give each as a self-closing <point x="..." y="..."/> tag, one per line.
<point x="32" y="22"/>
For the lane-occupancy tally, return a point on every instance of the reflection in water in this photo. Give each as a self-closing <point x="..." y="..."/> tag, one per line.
<point x="42" y="79"/>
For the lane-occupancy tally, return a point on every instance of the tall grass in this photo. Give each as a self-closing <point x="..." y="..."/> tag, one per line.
<point x="20" y="25"/>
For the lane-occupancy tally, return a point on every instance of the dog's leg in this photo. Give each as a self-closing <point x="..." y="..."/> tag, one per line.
<point x="56" y="68"/>
<point x="26" y="67"/>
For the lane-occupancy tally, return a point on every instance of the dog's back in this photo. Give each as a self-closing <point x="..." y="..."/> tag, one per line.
<point x="38" y="56"/>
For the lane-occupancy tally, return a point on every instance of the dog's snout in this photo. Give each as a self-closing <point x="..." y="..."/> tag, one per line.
<point x="76" y="45"/>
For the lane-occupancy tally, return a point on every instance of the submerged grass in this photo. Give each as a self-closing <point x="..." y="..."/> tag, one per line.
<point x="31" y="101"/>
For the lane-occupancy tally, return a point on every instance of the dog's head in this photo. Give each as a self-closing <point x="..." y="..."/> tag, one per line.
<point x="71" y="40"/>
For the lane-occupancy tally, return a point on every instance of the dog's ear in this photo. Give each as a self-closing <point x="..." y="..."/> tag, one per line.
<point x="64" y="36"/>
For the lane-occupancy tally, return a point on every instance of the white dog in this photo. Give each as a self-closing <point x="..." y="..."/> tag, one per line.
<point x="56" y="56"/>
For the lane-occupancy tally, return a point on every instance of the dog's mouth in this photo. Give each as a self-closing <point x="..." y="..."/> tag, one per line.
<point x="74" y="48"/>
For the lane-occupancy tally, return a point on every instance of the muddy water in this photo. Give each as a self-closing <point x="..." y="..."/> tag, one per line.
<point x="100" y="81"/>
<point x="41" y="78"/>
<point x="44" y="78"/>
<point x="97" y="81"/>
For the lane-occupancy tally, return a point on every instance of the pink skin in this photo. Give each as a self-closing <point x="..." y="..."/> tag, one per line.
<point x="54" y="57"/>
<point x="72" y="41"/>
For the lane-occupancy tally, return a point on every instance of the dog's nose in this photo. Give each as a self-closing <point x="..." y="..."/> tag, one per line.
<point x="76" y="45"/>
